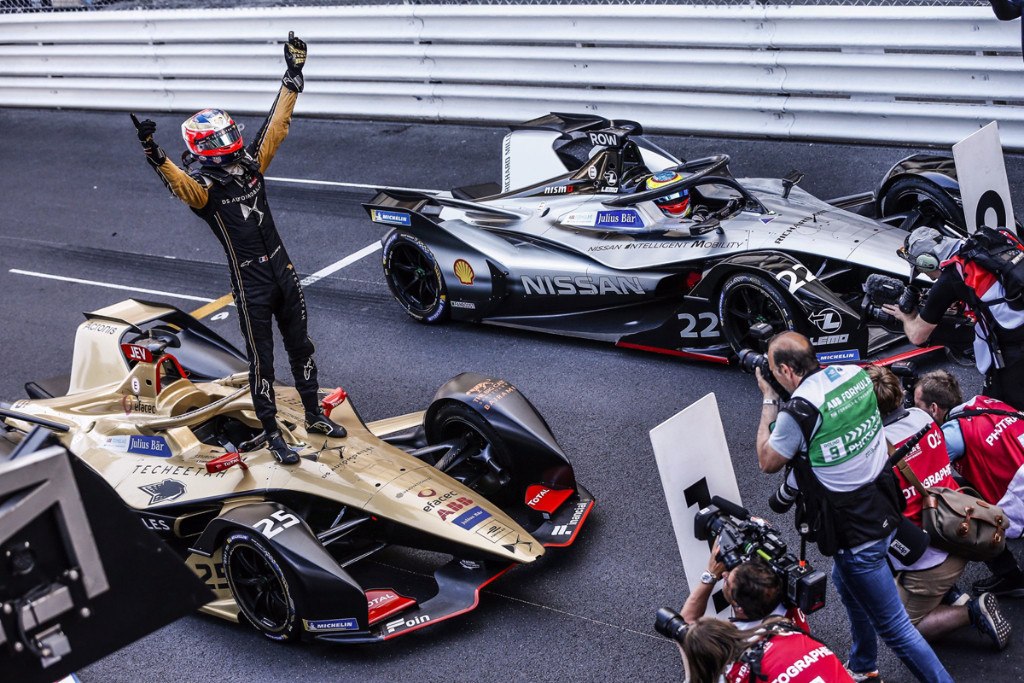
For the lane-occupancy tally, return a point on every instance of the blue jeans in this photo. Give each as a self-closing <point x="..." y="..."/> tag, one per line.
<point x="868" y="591"/>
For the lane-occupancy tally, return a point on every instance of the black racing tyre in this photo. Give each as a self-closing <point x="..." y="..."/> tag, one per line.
<point x="259" y="586"/>
<point x="746" y="299"/>
<point x="457" y="423"/>
<point x="909" y="192"/>
<point x="415" y="279"/>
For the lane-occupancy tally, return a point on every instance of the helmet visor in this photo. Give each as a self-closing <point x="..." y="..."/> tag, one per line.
<point x="219" y="140"/>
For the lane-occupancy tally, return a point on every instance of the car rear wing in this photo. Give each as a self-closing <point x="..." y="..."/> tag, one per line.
<point x="399" y="207"/>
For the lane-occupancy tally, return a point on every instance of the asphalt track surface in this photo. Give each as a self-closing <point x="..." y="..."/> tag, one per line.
<point x="78" y="201"/>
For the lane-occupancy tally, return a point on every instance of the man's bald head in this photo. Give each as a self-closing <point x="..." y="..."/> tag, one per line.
<point x="795" y="350"/>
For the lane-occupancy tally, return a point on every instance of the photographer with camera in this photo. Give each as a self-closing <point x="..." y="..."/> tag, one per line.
<point x="714" y="649"/>
<point x="983" y="439"/>
<point x="924" y="582"/>
<point x="960" y="273"/>
<point x="830" y="434"/>
<point x="753" y="590"/>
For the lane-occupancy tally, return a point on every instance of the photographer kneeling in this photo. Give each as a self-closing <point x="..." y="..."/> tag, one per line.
<point x="924" y="581"/>
<point x="712" y="649"/>
<point x="957" y="267"/>
<point x="831" y="433"/>
<point x="752" y="589"/>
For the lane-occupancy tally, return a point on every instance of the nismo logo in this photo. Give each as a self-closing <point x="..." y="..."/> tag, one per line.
<point x="581" y="284"/>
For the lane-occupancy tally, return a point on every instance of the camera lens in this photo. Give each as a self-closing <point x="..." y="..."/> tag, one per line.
<point x="669" y="623"/>
<point x="783" y="499"/>
<point x="749" y="360"/>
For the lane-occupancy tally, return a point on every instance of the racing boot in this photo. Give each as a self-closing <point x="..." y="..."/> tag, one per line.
<point x="318" y="423"/>
<point x="277" y="446"/>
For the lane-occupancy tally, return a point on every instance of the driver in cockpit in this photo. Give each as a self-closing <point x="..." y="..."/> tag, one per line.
<point x="678" y="204"/>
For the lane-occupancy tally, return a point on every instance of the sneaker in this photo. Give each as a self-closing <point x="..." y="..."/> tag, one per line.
<point x="1003" y="586"/>
<point x="873" y="676"/>
<point x="986" y="617"/>
<point x="283" y="454"/>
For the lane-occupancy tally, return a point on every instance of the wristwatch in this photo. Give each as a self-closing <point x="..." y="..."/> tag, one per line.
<point x="708" y="578"/>
<point x="770" y="402"/>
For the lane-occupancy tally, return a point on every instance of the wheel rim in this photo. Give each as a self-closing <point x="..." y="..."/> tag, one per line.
<point x="747" y="305"/>
<point x="413" y="278"/>
<point x="258" y="589"/>
<point x="475" y="448"/>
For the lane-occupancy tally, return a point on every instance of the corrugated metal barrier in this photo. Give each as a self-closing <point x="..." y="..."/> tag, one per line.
<point x="910" y="74"/>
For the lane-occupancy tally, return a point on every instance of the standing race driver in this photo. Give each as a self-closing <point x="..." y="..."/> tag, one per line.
<point x="229" y="193"/>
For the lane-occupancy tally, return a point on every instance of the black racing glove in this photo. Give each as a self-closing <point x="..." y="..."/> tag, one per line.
<point x="145" y="130"/>
<point x="295" y="59"/>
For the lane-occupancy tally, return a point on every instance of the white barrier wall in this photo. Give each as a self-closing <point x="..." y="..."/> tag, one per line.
<point x="919" y="75"/>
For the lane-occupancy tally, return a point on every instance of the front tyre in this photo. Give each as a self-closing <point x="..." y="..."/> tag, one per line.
<point x="746" y="300"/>
<point x="259" y="586"/>
<point x="936" y="207"/>
<point x="415" y="279"/>
<point x="477" y="456"/>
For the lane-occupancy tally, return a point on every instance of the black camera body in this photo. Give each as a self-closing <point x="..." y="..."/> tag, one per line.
<point x="880" y="290"/>
<point x="742" y="538"/>
<point x="750" y="360"/>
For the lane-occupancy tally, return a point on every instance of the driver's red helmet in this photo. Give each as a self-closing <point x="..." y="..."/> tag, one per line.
<point x="213" y="137"/>
<point x="675" y="205"/>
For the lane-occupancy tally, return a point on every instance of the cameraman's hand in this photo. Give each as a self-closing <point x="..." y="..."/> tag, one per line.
<point x="767" y="389"/>
<point x="715" y="566"/>
<point x="894" y="310"/>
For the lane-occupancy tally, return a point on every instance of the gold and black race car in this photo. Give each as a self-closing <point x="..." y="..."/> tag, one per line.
<point x="158" y="405"/>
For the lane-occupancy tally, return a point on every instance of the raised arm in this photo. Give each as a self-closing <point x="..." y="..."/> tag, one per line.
<point x="275" y="127"/>
<point x="183" y="186"/>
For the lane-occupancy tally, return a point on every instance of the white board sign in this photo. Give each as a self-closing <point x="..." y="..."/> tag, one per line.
<point x="694" y="463"/>
<point x="984" y="188"/>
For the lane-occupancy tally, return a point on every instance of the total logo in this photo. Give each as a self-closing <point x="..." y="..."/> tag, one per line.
<point x="828" y="320"/>
<point x="536" y="499"/>
<point x="402" y="624"/>
<point x="381" y="600"/>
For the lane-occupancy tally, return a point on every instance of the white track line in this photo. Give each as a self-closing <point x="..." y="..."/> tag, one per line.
<point x="338" y="265"/>
<point x="362" y="186"/>
<point x="109" y="285"/>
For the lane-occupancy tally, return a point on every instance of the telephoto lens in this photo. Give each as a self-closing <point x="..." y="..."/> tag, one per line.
<point x="783" y="499"/>
<point x="670" y="624"/>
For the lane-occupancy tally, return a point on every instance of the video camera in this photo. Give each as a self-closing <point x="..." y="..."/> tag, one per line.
<point x="880" y="290"/>
<point x="750" y="360"/>
<point x="742" y="538"/>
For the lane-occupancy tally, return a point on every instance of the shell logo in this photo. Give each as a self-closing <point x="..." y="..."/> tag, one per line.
<point x="464" y="271"/>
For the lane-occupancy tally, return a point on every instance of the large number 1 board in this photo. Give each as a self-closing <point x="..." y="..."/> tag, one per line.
<point x="694" y="462"/>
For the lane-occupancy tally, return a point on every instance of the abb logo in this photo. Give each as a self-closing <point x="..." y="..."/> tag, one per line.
<point x="449" y="509"/>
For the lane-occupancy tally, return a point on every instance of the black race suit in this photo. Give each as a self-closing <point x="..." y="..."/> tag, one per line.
<point x="233" y="202"/>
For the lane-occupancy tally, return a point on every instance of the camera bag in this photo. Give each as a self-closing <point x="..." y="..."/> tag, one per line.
<point x="958" y="520"/>
<point x="1002" y="254"/>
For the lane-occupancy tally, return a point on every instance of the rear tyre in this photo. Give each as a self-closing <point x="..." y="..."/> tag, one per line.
<point x="746" y="300"/>
<point x="260" y="586"/>
<point x="937" y="208"/>
<point x="415" y="279"/>
<point x="479" y="457"/>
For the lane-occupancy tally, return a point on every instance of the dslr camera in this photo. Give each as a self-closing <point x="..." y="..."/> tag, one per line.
<point x="742" y="538"/>
<point x="880" y="290"/>
<point x="750" y="360"/>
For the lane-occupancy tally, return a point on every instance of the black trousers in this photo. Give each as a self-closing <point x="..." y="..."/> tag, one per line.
<point x="1007" y="384"/>
<point x="259" y="303"/>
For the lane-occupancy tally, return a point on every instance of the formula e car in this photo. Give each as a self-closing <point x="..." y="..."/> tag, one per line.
<point x="159" y="406"/>
<point x="582" y="239"/>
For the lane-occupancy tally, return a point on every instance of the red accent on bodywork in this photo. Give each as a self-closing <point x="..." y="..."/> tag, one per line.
<point x="913" y="353"/>
<point x="544" y="499"/>
<point x="385" y="603"/>
<point x="226" y="461"/>
<point x="177" y="366"/>
<point x="333" y="400"/>
<point x="692" y="278"/>
<point x="476" y="601"/>
<point x="672" y="352"/>
<point x="136" y="352"/>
